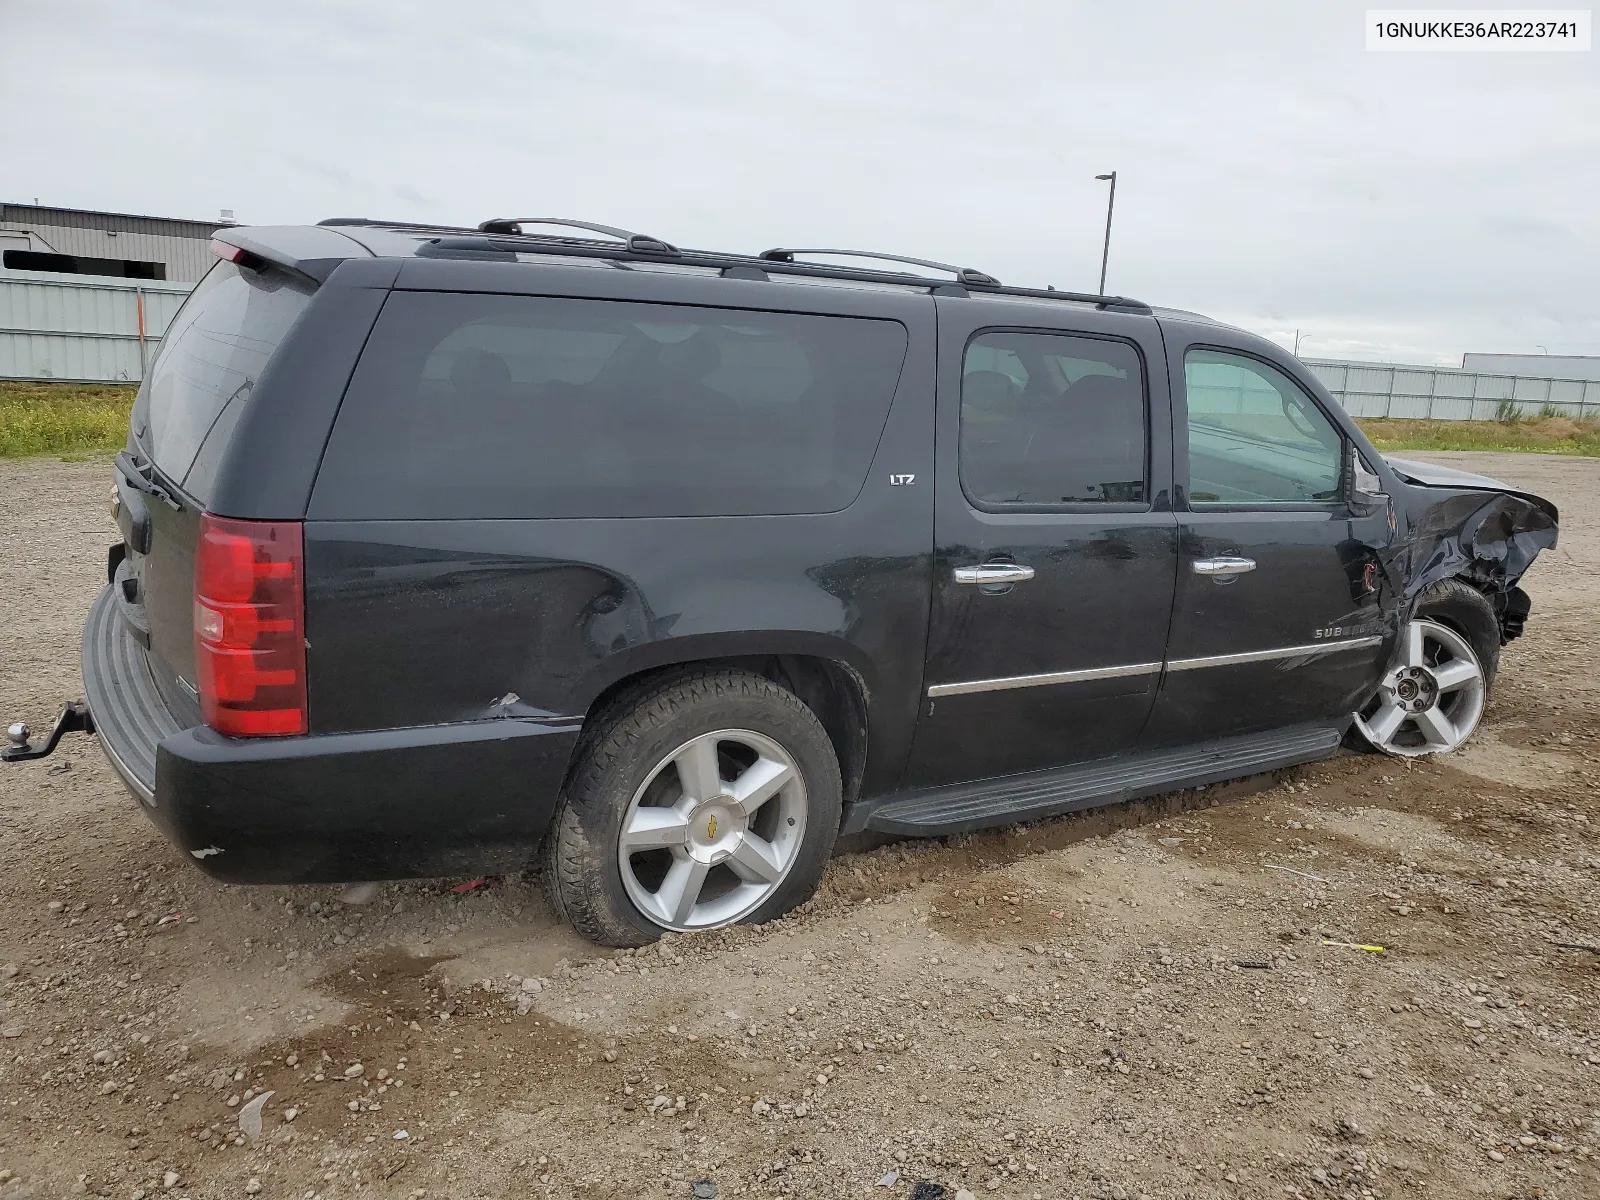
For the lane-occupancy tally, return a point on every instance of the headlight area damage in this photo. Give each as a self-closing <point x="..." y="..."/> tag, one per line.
<point x="1488" y="538"/>
<point x="1457" y="546"/>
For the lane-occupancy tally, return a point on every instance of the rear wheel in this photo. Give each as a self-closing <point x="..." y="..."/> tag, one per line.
<point x="707" y="800"/>
<point x="1433" y="696"/>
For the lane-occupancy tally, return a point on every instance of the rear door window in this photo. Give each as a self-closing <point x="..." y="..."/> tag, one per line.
<point x="516" y="406"/>
<point x="209" y="362"/>
<point x="1052" y="419"/>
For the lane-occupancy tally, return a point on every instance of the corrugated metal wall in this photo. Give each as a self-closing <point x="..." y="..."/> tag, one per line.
<point x="81" y="328"/>
<point x="185" y="258"/>
<point x="88" y="218"/>
<point x="1446" y="394"/>
<point x="183" y="246"/>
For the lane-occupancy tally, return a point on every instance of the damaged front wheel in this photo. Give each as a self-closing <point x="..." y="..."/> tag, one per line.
<point x="1432" y="699"/>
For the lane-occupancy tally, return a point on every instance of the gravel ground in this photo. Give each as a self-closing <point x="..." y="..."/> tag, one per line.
<point x="1138" y="1002"/>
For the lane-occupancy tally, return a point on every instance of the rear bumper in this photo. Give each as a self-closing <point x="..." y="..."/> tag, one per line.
<point x="129" y="714"/>
<point x="329" y="808"/>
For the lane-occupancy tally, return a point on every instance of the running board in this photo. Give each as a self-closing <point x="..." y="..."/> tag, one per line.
<point x="963" y="807"/>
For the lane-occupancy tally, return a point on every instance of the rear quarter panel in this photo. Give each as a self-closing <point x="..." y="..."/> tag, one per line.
<point x="419" y="622"/>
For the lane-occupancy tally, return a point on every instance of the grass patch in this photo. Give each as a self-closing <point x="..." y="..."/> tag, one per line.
<point x="68" y="419"/>
<point x="1537" y="435"/>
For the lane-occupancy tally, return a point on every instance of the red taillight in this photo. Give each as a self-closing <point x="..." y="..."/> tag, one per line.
<point x="249" y="626"/>
<point x="226" y="252"/>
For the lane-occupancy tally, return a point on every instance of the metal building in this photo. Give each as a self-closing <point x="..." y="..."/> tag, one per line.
<point x="70" y="241"/>
<point x="1543" y="366"/>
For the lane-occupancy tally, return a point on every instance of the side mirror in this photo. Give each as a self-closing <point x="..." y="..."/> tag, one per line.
<point x="1364" y="489"/>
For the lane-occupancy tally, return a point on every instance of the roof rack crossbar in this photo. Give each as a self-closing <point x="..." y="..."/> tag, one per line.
<point x="785" y="254"/>
<point x="640" y="243"/>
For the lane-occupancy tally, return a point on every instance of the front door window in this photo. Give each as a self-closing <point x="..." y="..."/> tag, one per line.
<point x="1255" y="438"/>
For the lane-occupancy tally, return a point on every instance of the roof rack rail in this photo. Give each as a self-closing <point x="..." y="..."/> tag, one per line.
<point x="1053" y="293"/>
<point x="424" y="226"/>
<point x="639" y="243"/>
<point x="643" y="248"/>
<point x="963" y="274"/>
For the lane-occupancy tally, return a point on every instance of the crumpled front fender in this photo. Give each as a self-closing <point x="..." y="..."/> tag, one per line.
<point x="1487" y="538"/>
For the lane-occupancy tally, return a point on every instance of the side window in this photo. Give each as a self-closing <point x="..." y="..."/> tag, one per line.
<point x="1254" y="436"/>
<point x="1049" y="418"/>
<point x="480" y="406"/>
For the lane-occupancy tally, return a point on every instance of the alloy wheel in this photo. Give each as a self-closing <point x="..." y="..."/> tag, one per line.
<point x="713" y="831"/>
<point x="1431" y="700"/>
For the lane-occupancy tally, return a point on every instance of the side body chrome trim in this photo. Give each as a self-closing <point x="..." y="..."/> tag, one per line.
<point x="1022" y="681"/>
<point x="1313" y="650"/>
<point x="1005" y="683"/>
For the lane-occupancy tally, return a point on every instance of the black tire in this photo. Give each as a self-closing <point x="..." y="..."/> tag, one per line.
<point x="581" y="869"/>
<point x="1462" y="607"/>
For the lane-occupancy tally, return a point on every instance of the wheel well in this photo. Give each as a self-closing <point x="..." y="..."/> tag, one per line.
<point x="1508" y="602"/>
<point x="1447" y="618"/>
<point x="1454" y="602"/>
<point x="828" y="687"/>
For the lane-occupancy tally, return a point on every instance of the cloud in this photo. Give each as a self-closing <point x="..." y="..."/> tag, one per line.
<point x="1271" y="170"/>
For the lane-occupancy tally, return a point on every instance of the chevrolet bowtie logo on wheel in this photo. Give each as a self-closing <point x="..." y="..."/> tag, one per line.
<point x="711" y="829"/>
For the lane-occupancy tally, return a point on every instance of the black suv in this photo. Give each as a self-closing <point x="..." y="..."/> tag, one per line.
<point x="440" y="546"/>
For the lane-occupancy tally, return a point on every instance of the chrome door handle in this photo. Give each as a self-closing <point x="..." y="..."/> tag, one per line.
<point x="994" y="573"/>
<point x="1223" y="566"/>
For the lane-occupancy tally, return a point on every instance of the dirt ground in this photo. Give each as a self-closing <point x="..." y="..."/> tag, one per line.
<point x="1138" y="1002"/>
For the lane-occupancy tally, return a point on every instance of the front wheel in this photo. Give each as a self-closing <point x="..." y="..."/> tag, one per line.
<point x="710" y="799"/>
<point x="1432" y="699"/>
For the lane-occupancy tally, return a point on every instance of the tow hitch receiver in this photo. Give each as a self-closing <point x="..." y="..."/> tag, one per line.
<point x="73" y="718"/>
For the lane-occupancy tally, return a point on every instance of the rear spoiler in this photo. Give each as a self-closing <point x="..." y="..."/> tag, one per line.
<point x="312" y="252"/>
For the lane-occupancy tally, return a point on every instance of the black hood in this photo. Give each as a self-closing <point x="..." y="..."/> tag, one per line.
<point x="1425" y="474"/>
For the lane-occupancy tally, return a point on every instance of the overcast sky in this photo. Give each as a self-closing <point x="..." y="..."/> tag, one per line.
<point x="1272" y="172"/>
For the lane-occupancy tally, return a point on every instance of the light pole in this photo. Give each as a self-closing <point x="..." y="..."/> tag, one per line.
<point x="1110" y="204"/>
<point x="1297" y="343"/>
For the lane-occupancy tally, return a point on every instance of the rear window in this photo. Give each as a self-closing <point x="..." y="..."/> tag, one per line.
<point x="518" y="406"/>
<point x="210" y="359"/>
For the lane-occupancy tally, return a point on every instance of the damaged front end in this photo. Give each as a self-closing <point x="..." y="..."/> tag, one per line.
<point x="1457" y="525"/>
